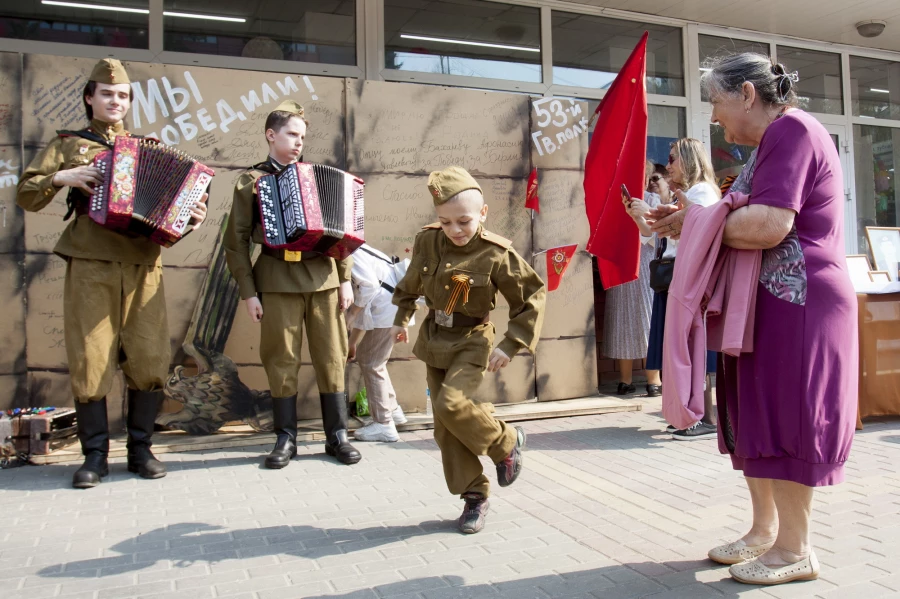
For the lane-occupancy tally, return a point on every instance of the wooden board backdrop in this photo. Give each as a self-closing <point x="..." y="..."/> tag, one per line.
<point x="391" y="134"/>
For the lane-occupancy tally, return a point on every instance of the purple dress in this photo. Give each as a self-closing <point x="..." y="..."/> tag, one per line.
<point x="789" y="408"/>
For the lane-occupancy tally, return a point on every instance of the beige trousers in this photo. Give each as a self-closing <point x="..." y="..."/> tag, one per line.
<point x="464" y="429"/>
<point x="115" y="315"/>
<point x="284" y="316"/>
<point x="372" y="355"/>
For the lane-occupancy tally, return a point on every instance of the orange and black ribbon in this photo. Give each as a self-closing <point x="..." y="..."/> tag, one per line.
<point x="462" y="287"/>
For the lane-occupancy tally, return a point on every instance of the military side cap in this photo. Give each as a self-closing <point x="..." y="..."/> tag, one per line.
<point x="290" y="106"/>
<point x="110" y="71"/>
<point x="445" y="184"/>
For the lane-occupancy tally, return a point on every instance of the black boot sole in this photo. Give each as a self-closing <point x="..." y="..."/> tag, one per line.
<point x="348" y="461"/>
<point x="90" y="484"/>
<point x="278" y="465"/>
<point x="137" y="470"/>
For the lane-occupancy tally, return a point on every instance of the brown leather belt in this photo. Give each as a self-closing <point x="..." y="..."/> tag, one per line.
<point x="463" y="320"/>
<point x="288" y="255"/>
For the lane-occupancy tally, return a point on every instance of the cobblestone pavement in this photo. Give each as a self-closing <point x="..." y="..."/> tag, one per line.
<point x="608" y="507"/>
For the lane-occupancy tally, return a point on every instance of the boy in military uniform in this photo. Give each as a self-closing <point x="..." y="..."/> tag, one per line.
<point x="287" y="290"/>
<point x="114" y="305"/>
<point x="459" y="267"/>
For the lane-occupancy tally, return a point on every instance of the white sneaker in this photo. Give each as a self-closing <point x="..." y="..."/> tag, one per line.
<point x="398" y="416"/>
<point x="377" y="432"/>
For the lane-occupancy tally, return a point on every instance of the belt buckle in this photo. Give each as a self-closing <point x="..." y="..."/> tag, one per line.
<point x="443" y="319"/>
<point x="292" y="256"/>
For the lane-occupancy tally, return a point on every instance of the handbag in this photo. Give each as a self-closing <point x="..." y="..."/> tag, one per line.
<point x="661" y="270"/>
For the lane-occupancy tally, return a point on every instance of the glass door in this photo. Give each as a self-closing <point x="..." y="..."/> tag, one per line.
<point x="842" y="144"/>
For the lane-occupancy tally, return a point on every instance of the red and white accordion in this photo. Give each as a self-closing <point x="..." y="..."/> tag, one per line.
<point x="148" y="188"/>
<point x="312" y="207"/>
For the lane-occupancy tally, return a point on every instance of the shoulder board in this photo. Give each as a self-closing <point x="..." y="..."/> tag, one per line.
<point x="432" y="226"/>
<point x="496" y="239"/>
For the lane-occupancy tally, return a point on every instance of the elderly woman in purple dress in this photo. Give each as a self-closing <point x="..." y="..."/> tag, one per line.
<point x="787" y="410"/>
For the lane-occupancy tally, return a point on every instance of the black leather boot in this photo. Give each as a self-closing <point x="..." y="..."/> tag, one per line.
<point x="143" y="407"/>
<point x="334" y="417"/>
<point x="93" y="433"/>
<point x="284" y="417"/>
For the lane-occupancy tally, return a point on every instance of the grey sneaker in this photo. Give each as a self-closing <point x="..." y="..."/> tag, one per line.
<point x="472" y="518"/>
<point x="509" y="468"/>
<point x="701" y="430"/>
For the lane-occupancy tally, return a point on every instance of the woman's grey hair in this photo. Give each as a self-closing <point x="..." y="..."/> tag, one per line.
<point x="727" y="75"/>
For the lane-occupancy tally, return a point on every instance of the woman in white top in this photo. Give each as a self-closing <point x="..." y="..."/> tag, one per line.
<point x="690" y="170"/>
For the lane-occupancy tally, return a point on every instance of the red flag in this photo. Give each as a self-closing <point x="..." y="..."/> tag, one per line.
<point x="616" y="156"/>
<point x="531" y="197"/>
<point x="557" y="262"/>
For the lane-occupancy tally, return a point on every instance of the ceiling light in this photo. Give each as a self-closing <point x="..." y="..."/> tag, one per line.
<point x="467" y="43"/>
<point x="880" y="91"/>
<point x="705" y="70"/>
<point x="188" y="15"/>
<point x="871" y="28"/>
<point x="142" y="11"/>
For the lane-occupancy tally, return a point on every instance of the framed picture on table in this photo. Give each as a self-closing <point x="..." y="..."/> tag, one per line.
<point x="884" y="243"/>
<point x="858" y="265"/>
<point x="879" y="276"/>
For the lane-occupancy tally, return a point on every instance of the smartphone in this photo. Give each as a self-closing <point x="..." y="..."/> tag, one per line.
<point x="625" y="195"/>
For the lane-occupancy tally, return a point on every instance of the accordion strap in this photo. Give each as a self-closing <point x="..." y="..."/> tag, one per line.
<point x="86" y="134"/>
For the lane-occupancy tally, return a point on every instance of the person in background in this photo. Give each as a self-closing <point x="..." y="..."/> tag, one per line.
<point x="626" y="320"/>
<point x="689" y="169"/>
<point x="374" y="276"/>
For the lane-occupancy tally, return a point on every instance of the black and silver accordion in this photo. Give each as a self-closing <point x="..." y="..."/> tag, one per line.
<point x="148" y="188"/>
<point x="312" y="208"/>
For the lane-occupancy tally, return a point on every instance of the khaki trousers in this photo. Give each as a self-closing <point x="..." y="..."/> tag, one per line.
<point x="372" y="355"/>
<point x="284" y="316"/>
<point x="464" y="429"/>
<point x="115" y="315"/>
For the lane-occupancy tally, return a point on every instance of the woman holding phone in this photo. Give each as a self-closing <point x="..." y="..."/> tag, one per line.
<point x="689" y="170"/>
<point x="626" y="322"/>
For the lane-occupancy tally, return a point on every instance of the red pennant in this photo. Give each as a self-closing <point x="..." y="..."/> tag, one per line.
<point x="531" y="198"/>
<point x="557" y="262"/>
<point x="616" y="156"/>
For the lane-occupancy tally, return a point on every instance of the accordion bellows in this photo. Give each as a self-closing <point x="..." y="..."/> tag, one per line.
<point x="312" y="208"/>
<point x="148" y="188"/>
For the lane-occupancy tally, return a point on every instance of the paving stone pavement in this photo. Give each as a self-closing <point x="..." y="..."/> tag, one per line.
<point x="607" y="507"/>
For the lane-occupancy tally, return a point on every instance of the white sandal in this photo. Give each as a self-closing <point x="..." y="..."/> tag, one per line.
<point x="737" y="552"/>
<point x="755" y="572"/>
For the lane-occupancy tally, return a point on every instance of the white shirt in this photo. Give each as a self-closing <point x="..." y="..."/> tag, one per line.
<point x="370" y="269"/>
<point x="703" y="194"/>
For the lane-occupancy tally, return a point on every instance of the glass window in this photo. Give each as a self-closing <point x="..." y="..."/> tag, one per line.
<point x="875" y="88"/>
<point x="474" y="38"/>
<point x="713" y="47"/>
<point x="588" y="51"/>
<point x="121" y="26"/>
<point x="819" y="89"/>
<point x="323" y="32"/>
<point x="665" y="124"/>
<point x="877" y="155"/>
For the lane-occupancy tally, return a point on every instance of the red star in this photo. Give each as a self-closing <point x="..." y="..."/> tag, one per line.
<point x="406" y="250"/>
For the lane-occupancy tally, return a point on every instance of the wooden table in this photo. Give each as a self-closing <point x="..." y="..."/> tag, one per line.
<point x="879" y="355"/>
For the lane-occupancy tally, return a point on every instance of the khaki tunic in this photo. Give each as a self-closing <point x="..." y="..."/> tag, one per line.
<point x="114" y="300"/>
<point x="457" y="357"/>
<point x="293" y="295"/>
